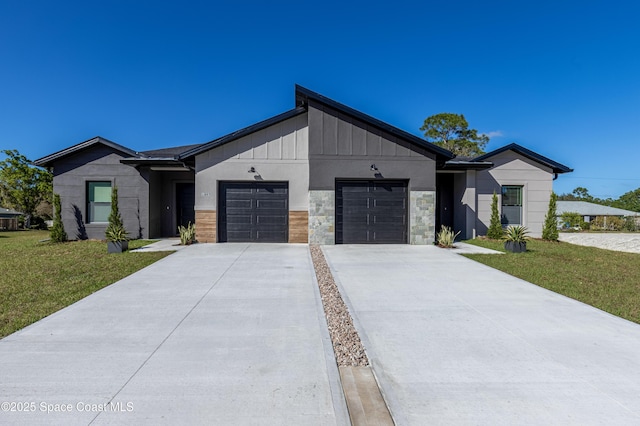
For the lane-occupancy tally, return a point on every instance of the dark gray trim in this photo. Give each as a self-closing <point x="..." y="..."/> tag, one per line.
<point x="466" y="165"/>
<point x="302" y="100"/>
<point x="240" y="133"/>
<point x="46" y="161"/>
<point x="557" y="167"/>
<point x="149" y="162"/>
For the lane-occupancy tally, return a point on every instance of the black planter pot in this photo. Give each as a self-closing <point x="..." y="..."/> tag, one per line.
<point x="514" y="247"/>
<point x="117" y="246"/>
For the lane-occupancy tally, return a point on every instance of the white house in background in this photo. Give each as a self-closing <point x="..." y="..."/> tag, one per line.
<point x="589" y="211"/>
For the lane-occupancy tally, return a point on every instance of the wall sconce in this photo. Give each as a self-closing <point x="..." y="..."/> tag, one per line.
<point x="252" y="170"/>
<point x="374" y="168"/>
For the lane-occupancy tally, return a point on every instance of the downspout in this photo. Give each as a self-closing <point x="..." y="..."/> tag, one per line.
<point x="555" y="176"/>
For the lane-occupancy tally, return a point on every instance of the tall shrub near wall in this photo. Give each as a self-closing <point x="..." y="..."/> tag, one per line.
<point x="57" y="234"/>
<point x="550" y="230"/>
<point x="495" y="227"/>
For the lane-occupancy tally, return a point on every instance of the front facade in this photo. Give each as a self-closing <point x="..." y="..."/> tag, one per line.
<point x="321" y="173"/>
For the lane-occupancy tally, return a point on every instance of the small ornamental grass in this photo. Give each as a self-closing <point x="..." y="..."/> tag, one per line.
<point x="446" y="237"/>
<point x="187" y="234"/>
<point x="516" y="234"/>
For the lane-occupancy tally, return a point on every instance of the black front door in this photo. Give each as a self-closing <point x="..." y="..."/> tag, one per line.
<point x="373" y="211"/>
<point x="185" y="202"/>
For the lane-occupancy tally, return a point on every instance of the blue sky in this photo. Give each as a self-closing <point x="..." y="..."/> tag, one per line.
<point x="559" y="77"/>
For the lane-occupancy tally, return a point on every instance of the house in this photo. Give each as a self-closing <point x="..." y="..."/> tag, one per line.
<point x="320" y="173"/>
<point x="9" y="219"/>
<point x="590" y="211"/>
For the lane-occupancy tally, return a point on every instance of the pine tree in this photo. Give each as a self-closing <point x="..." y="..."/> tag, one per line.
<point x="550" y="230"/>
<point x="495" y="227"/>
<point x="57" y="234"/>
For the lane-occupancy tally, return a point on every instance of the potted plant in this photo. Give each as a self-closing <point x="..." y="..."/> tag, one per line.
<point x="116" y="235"/>
<point x="516" y="239"/>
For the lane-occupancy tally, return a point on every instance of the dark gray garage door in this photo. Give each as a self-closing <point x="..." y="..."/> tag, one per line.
<point x="371" y="212"/>
<point x="253" y="212"/>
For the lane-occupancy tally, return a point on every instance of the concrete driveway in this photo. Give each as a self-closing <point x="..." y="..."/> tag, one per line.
<point x="453" y="342"/>
<point x="627" y="242"/>
<point x="213" y="334"/>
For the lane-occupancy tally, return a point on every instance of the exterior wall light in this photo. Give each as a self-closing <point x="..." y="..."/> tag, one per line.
<point x="374" y="168"/>
<point x="252" y="170"/>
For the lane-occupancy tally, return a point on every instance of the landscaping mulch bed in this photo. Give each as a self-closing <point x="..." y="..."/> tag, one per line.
<point x="347" y="345"/>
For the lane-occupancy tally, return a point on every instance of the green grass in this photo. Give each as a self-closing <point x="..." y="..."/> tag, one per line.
<point x="608" y="280"/>
<point x="40" y="278"/>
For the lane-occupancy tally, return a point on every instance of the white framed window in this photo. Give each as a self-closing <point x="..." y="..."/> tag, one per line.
<point x="511" y="205"/>
<point x="98" y="202"/>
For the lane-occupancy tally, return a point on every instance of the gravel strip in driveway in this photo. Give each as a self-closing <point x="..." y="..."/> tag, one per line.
<point x="609" y="241"/>
<point x="347" y="346"/>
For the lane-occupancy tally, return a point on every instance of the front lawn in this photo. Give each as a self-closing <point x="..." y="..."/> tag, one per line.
<point x="608" y="280"/>
<point x="39" y="279"/>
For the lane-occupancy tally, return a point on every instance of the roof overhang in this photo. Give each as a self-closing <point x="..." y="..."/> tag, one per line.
<point x="534" y="156"/>
<point x="49" y="159"/>
<point x="157" y="164"/>
<point x="466" y="165"/>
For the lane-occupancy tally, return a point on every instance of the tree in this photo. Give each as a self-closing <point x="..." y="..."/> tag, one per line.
<point x="58" y="235"/>
<point x="582" y="193"/>
<point x="550" y="229"/>
<point x="629" y="201"/>
<point x="115" y="229"/>
<point x="451" y="131"/>
<point x="23" y="186"/>
<point x="495" y="227"/>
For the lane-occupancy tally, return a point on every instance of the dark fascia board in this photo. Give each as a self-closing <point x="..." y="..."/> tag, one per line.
<point x="46" y="161"/>
<point x="303" y="95"/>
<point x="240" y="133"/>
<point x="557" y="167"/>
<point x="467" y="165"/>
<point x="151" y="161"/>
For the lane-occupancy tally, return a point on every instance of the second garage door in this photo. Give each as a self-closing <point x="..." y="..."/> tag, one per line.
<point x="253" y="212"/>
<point x="371" y="212"/>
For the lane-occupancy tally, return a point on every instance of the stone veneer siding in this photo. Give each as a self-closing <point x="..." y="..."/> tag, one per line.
<point x="422" y="217"/>
<point x="322" y="217"/>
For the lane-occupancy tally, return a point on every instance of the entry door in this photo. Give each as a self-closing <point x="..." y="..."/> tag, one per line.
<point x="373" y="211"/>
<point x="253" y="212"/>
<point x="185" y="201"/>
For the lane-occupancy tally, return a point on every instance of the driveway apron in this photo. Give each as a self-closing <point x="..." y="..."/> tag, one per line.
<point x="454" y="342"/>
<point x="213" y="334"/>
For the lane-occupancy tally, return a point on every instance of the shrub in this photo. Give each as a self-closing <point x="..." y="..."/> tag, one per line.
<point x="187" y="234"/>
<point x="495" y="227"/>
<point x="571" y="220"/>
<point x="607" y="223"/>
<point x="446" y="237"/>
<point x="57" y="234"/>
<point x="517" y="234"/>
<point x="115" y="230"/>
<point x="550" y="229"/>
<point x="630" y="224"/>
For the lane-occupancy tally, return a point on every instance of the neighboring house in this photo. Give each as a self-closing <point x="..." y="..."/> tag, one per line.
<point x="589" y="211"/>
<point x="320" y="173"/>
<point x="9" y="219"/>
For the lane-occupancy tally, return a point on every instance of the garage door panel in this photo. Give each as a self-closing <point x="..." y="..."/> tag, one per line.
<point x="371" y="212"/>
<point x="254" y="212"/>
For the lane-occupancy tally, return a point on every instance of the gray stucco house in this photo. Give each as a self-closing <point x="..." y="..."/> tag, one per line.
<point x="320" y="173"/>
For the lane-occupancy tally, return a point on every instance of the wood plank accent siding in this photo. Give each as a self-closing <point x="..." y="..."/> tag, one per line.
<point x="299" y="227"/>
<point x="206" y="226"/>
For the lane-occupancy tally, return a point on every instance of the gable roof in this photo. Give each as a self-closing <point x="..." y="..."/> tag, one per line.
<point x="585" y="208"/>
<point x="303" y="96"/>
<point x="240" y="133"/>
<point x="171" y="152"/>
<point x="555" y="166"/>
<point x="47" y="160"/>
<point x="8" y="213"/>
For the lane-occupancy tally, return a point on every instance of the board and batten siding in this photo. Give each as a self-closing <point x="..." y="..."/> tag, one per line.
<point x="279" y="153"/>
<point x="341" y="146"/>
<point x="511" y="168"/>
<point x="100" y="163"/>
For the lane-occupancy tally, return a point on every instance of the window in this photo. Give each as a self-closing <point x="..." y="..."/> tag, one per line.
<point x="511" y="205"/>
<point x="98" y="202"/>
